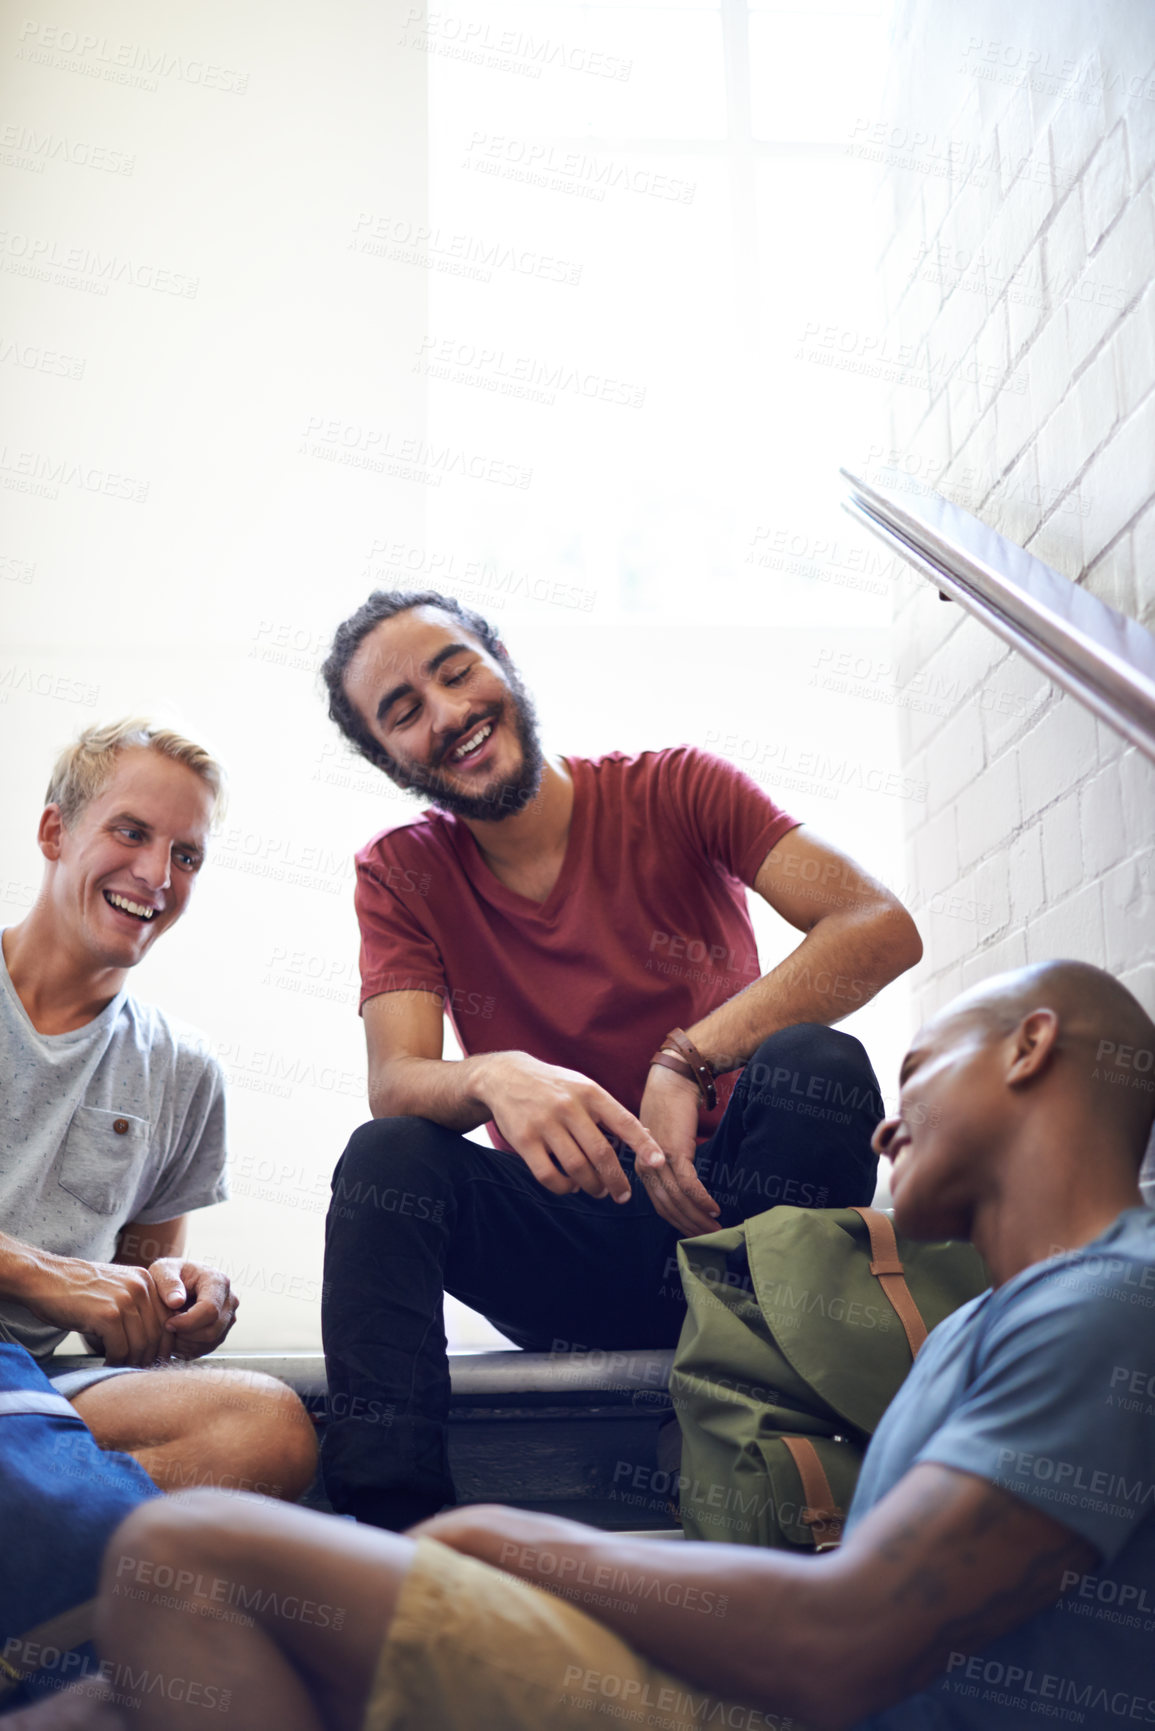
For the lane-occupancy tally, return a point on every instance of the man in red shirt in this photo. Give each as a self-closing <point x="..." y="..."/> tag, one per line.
<point x="583" y="924"/>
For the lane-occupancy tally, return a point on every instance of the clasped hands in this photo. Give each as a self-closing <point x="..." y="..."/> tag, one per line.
<point x="137" y="1316"/>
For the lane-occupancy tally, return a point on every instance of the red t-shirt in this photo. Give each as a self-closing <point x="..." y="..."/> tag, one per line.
<point x="645" y="930"/>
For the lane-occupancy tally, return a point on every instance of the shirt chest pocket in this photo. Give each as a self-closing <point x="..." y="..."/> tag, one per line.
<point x="102" y="1152"/>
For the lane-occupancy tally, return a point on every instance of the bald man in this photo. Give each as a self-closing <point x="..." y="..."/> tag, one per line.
<point x="999" y="1564"/>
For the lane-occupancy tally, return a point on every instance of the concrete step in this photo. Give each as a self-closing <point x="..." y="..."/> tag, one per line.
<point x="567" y="1433"/>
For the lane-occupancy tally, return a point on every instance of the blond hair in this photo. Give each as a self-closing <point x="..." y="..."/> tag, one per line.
<point x="83" y="767"/>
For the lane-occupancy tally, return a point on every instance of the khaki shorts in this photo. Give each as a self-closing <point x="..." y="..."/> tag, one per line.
<point x="472" y="1649"/>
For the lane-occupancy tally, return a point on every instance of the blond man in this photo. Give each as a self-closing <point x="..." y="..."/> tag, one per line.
<point x="113" y="1130"/>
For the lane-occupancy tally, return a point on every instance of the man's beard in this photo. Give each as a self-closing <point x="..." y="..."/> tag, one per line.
<point x="505" y="799"/>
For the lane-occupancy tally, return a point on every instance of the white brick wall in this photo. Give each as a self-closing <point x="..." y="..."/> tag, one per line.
<point x="1039" y="416"/>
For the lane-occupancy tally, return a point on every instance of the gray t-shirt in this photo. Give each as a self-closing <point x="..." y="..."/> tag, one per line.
<point x="123" y="1119"/>
<point x="1046" y="1388"/>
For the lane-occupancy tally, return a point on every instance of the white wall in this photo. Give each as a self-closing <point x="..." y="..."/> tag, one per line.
<point x="665" y="208"/>
<point x="1016" y="215"/>
<point x="186" y="321"/>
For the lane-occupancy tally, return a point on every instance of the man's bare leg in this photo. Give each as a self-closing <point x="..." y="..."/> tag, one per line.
<point x="214" y="1604"/>
<point x="188" y="1426"/>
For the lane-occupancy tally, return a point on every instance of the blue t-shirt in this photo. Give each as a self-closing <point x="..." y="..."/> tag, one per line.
<point x="1046" y="1387"/>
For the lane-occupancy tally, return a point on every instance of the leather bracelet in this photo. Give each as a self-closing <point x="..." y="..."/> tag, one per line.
<point x="678" y="1052"/>
<point x="671" y="1061"/>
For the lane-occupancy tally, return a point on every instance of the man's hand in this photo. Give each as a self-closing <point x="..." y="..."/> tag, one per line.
<point x="492" y="1532"/>
<point x="205" y="1304"/>
<point x="557" y="1120"/>
<point x="118" y="1306"/>
<point x="669" y="1110"/>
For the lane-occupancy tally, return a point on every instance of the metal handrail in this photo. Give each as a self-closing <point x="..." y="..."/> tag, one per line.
<point x="1093" y="651"/>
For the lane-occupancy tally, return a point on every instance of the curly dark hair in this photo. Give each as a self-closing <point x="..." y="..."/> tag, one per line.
<point x="384" y="604"/>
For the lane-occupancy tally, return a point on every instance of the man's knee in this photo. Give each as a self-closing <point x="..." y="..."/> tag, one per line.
<point x="264" y="1439"/>
<point x="238" y="1430"/>
<point x="156" y="1531"/>
<point x="811" y="1058"/>
<point x="382" y="1148"/>
<point x="403" y="1168"/>
<point x="163" y="1545"/>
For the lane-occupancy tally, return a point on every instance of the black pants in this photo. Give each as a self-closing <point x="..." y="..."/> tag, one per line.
<point x="419" y="1210"/>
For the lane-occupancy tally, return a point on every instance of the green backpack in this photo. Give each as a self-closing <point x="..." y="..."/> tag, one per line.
<point x="801" y="1325"/>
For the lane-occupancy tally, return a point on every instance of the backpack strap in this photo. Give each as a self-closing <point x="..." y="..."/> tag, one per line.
<point x="820" y="1514"/>
<point x="886" y="1266"/>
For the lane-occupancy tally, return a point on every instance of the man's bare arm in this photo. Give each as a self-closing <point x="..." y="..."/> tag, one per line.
<point x="407" y="1074"/>
<point x="115" y="1304"/>
<point x="139" y="1244"/>
<point x="859" y="937"/>
<point x="555" y="1119"/>
<point x="941" y="1567"/>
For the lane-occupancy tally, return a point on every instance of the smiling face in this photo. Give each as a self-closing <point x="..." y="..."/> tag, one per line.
<point x="455" y="722"/>
<point x="1015" y="1077"/>
<point x="948" y="1128"/>
<point x="123" y="872"/>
